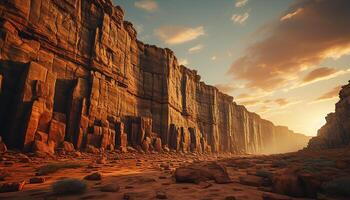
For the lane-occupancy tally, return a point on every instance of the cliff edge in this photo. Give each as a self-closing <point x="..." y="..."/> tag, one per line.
<point x="336" y="132"/>
<point x="73" y="71"/>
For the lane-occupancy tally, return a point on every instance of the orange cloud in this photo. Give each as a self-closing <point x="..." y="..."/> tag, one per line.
<point x="250" y="103"/>
<point x="321" y="30"/>
<point x="148" y="5"/>
<point x="282" y="101"/>
<point x="319" y="73"/>
<point x="178" y="34"/>
<point x="225" y="88"/>
<point x="333" y="93"/>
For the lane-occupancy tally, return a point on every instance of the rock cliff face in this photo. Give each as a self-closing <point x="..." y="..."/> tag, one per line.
<point x="73" y="70"/>
<point x="336" y="132"/>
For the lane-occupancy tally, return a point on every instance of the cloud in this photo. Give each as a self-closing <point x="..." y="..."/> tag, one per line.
<point x="290" y="46"/>
<point x="240" y="3"/>
<point x="250" y="103"/>
<point x="226" y="88"/>
<point x="290" y="15"/>
<point x="178" y="34"/>
<point x="282" y="101"/>
<point x="183" y="61"/>
<point x="239" y="18"/>
<point x="332" y="94"/>
<point x="319" y="73"/>
<point x="195" y="49"/>
<point x="148" y="5"/>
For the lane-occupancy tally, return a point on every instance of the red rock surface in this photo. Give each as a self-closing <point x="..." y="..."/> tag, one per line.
<point x="73" y="70"/>
<point x="336" y="132"/>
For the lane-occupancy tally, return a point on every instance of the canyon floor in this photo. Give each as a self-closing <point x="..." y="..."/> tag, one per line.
<point x="151" y="176"/>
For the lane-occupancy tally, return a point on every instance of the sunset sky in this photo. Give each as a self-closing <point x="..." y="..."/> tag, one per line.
<point x="284" y="59"/>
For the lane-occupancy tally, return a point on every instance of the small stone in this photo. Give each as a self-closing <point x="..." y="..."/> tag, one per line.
<point x="25" y="159"/>
<point x="69" y="186"/>
<point x="273" y="196"/>
<point x="68" y="147"/>
<point x="110" y="188"/>
<point x="77" y="154"/>
<point x="161" y="195"/>
<point x="37" y="180"/>
<point x="3" y="147"/>
<point x="92" y="149"/>
<point x="94" y="176"/>
<point x="12" y="187"/>
<point x="251" y="180"/>
<point x="102" y="160"/>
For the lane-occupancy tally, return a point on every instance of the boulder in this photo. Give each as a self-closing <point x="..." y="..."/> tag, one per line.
<point x="158" y="145"/>
<point x="94" y="176"/>
<point x="69" y="186"/>
<point x="198" y="172"/>
<point x="111" y="187"/>
<point x="251" y="180"/>
<point x="39" y="146"/>
<point x="92" y="149"/>
<point x="12" y="187"/>
<point x="68" y="147"/>
<point x="3" y="147"/>
<point x="57" y="131"/>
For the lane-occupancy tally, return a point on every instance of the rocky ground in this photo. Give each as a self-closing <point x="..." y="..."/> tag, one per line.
<point x="133" y="175"/>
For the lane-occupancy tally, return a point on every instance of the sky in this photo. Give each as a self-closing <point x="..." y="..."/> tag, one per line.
<point x="283" y="59"/>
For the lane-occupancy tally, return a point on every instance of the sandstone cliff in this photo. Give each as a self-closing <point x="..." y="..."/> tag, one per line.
<point x="73" y="70"/>
<point x="336" y="132"/>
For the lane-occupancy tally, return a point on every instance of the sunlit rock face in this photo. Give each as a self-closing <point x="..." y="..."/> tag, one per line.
<point x="336" y="132"/>
<point x="73" y="70"/>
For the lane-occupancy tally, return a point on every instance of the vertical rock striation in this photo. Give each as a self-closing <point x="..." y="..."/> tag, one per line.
<point x="336" y="132"/>
<point x="73" y="70"/>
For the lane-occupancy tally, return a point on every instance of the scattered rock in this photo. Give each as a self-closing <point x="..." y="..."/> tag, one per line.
<point x="110" y="188"/>
<point x="92" y="149"/>
<point x="101" y="160"/>
<point x="12" y="187"/>
<point x="251" y="180"/>
<point x="3" y="147"/>
<point x="77" y="154"/>
<point x="4" y="174"/>
<point x="196" y="173"/>
<point x="68" y="147"/>
<point x="37" y="180"/>
<point x="94" y="176"/>
<point x="161" y="195"/>
<point x="230" y="198"/>
<point x="158" y="145"/>
<point x="69" y="186"/>
<point x="272" y="196"/>
<point x="146" y="145"/>
<point x="23" y="158"/>
<point x="130" y="149"/>
<point x="43" y="147"/>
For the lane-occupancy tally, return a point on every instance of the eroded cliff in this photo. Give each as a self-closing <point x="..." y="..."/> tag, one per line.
<point x="73" y="70"/>
<point x="336" y="132"/>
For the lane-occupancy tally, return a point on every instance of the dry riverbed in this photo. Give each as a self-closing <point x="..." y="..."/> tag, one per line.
<point x="114" y="175"/>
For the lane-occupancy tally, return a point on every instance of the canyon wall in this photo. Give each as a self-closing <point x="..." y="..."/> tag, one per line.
<point x="73" y="70"/>
<point x="336" y="132"/>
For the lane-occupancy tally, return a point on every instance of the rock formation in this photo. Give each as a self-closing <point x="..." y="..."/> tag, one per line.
<point x="73" y="70"/>
<point x="336" y="132"/>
